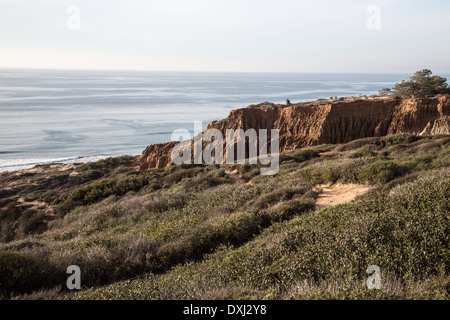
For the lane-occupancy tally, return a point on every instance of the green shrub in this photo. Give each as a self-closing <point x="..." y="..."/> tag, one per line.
<point x="110" y="162"/>
<point x="418" y="163"/>
<point x="101" y="189"/>
<point x="204" y="182"/>
<point x="356" y="144"/>
<point x="381" y="171"/>
<point x="333" y="171"/>
<point x="268" y="199"/>
<point x="179" y="175"/>
<point x="364" y="151"/>
<point x="248" y="175"/>
<point x="305" y="155"/>
<point x="20" y="273"/>
<point x="299" y="156"/>
<point x="396" y="139"/>
<point x="295" y="207"/>
<point x="165" y="201"/>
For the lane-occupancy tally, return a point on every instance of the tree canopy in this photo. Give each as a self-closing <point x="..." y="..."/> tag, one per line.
<point x="421" y="84"/>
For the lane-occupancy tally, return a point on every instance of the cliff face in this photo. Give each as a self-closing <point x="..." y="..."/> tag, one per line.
<point x="156" y="156"/>
<point x="328" y="121"/>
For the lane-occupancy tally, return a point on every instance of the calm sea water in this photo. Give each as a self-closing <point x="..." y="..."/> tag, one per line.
<point x="79" y="116"/>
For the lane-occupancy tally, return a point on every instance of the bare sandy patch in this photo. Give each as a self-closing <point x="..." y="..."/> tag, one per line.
<point x="339" y="193"/>
<point x="331" y="153"/>
<point x="36" y="204"/>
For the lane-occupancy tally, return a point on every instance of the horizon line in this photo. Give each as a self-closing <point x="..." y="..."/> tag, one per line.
<point x="199" y="71"/>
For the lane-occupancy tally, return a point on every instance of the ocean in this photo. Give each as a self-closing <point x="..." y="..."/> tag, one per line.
<point x="51" y="116"/>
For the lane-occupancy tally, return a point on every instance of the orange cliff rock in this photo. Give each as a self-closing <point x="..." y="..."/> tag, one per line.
<point x="327" y="121"/>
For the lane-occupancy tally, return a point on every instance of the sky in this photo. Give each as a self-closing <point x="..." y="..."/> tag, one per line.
<point x="382" y="36"/>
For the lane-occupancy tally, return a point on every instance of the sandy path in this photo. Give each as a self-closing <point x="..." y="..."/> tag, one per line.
<point x="339" y="193"/>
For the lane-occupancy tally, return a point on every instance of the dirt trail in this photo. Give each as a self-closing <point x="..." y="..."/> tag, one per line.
<point x="339" y="193"/>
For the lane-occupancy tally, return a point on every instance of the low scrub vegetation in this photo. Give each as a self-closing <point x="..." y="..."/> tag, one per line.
<point x="226" y="232"/>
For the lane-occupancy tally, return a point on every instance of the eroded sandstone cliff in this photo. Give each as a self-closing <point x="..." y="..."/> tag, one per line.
<point x="327" y="121"/>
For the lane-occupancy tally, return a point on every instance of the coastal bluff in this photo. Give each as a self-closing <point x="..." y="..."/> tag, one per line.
<point x="327" y="122"/>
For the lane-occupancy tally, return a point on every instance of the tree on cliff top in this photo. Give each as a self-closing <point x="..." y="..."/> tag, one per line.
<point x="421" y="84"/>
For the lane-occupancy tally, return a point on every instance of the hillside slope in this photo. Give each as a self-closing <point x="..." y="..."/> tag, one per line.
<point x="197" y="231"/>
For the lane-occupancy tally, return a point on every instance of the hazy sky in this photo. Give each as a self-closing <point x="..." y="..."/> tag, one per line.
<point x="226" y="35"/>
